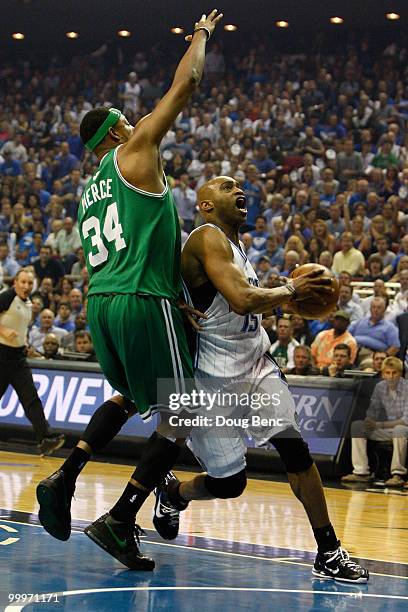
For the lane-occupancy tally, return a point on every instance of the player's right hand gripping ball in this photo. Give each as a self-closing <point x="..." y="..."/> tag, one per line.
<point x="313" y="308"/>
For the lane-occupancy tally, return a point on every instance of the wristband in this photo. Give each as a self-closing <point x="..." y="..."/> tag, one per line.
<point x="205" y="29"/>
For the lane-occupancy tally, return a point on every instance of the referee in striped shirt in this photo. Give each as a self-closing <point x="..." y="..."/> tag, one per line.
<point x="15" y="316"/>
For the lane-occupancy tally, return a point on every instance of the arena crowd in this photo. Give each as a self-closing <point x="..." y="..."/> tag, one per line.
<point x="318" y="142"/>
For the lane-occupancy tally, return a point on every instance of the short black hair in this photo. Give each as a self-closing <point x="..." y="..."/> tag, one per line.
<point x="91" y="122"/>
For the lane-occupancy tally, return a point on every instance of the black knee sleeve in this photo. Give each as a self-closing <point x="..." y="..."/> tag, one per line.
<point x="225" y="488"/>
<point x="158" y="457"/>
<point x="293" y="451"/>
<point x="106" y="422"/>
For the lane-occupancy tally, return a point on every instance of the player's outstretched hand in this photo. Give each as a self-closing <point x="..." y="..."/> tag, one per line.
<point x="206" y="23"/>
<point x="191" y="314"/>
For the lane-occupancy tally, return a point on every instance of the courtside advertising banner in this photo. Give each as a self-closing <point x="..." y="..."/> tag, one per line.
<point x="71" y="397"/>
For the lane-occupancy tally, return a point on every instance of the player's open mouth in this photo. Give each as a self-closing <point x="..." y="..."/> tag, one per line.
<point x="240" y="203"/>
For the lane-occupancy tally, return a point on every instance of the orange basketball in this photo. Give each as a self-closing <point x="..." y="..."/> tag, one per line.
<point x="314" y="309"/>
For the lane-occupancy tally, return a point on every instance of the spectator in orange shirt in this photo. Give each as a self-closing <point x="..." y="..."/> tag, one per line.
<point x="324" y="343"/>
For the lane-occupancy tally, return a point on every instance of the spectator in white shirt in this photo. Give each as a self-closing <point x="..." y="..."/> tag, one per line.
<point x="16" y="148"/>
<point x="283" y="349"/>
<point x="379" y="290"/>
<point x="347" y="304"/>
<point x="37" y="334"/>
<point x="207" y="129"/>
<point x="185" y="199"/>
<point x="67" y="242"/>
<point x="400" y="303"/>
<point x="51" y="241"/>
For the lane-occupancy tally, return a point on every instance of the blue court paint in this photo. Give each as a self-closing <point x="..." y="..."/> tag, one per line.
<point x="194" y="573"/>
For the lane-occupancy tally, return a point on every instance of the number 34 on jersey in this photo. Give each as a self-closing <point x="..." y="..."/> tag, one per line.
<point x="111" y="232"/>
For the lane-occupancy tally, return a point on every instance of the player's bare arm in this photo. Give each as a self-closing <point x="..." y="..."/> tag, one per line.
<point x="207" y="255"/>
<point x="139" y="159"/>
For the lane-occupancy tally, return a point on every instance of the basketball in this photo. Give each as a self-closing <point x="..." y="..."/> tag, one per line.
<point x="314" y="309"/>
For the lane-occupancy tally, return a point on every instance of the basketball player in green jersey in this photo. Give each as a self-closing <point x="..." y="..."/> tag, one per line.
<point x="130" y="233"/>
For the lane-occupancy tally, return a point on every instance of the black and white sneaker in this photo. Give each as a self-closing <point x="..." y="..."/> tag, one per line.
<point x="166" y="514"/>
<point x="337" y="565"/>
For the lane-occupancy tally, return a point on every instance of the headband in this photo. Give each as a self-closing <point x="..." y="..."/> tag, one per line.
<point x="111" y="120"/>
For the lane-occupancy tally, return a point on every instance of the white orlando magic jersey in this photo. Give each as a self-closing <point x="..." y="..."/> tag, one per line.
<point x="229" y="344"/>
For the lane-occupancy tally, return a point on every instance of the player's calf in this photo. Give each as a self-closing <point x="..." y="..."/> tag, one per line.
<point x="170" y="501"/>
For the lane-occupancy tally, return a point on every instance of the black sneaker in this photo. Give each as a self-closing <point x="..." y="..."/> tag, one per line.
<point x="51" y="443"/>
<point x="338" y="565"/>
<point x="166" y="513"/>
<point x="54" y="495"/>
<point x="121" y="540"/>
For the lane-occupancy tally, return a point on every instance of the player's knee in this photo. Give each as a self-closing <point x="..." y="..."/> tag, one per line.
<point x="226" y="488"/>
<point x="128" y="406"/>
<point x="295" y="455"/>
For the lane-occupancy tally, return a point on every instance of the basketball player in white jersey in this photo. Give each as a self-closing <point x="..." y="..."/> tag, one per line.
<point x="224" y="285"/>
<point x="231" y="350"/>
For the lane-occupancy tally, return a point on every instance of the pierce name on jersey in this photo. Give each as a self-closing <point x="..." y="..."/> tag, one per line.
<point x="131" y="238"/>
<point x="96" y="191"/>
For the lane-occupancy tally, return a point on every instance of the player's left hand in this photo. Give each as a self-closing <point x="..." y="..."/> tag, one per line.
<point x="191" y="314"/>
<point x="208" y="23"/>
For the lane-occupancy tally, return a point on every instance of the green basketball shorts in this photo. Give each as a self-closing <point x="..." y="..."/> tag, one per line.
<point x="140" y="341"/>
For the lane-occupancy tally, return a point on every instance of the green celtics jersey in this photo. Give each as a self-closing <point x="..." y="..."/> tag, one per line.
<point x="131" y="238"/>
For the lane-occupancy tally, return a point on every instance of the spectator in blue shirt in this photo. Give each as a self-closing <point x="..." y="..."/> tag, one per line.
<point x="180" y="146"/>
<point x="259" y="234"/>
<point x="64" y="318"/>
<point x="38" y="189"/>
<point x="9" y="265"/>
<point x="24" y="244"/>
<point x="10" y="167"/>
<point x="274" y="252"/>
<point x="374" y="333"/>
<point x="332" y="130"/>
<point x="34" y="249"/>
<point x="335" y="225"/>
<point x="74" y="141"/>
<point x="6" y="214"/>
<point x="264" y="164"/>
<point x="254" y="193"/>
<point x="65" y="162"/>
<point x="360" y="195"/>
<point x="403" y="252"/>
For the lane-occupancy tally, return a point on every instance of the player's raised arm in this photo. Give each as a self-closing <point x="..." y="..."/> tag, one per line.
<point x="208" y="251"/>
<point x="188" y="75"/>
